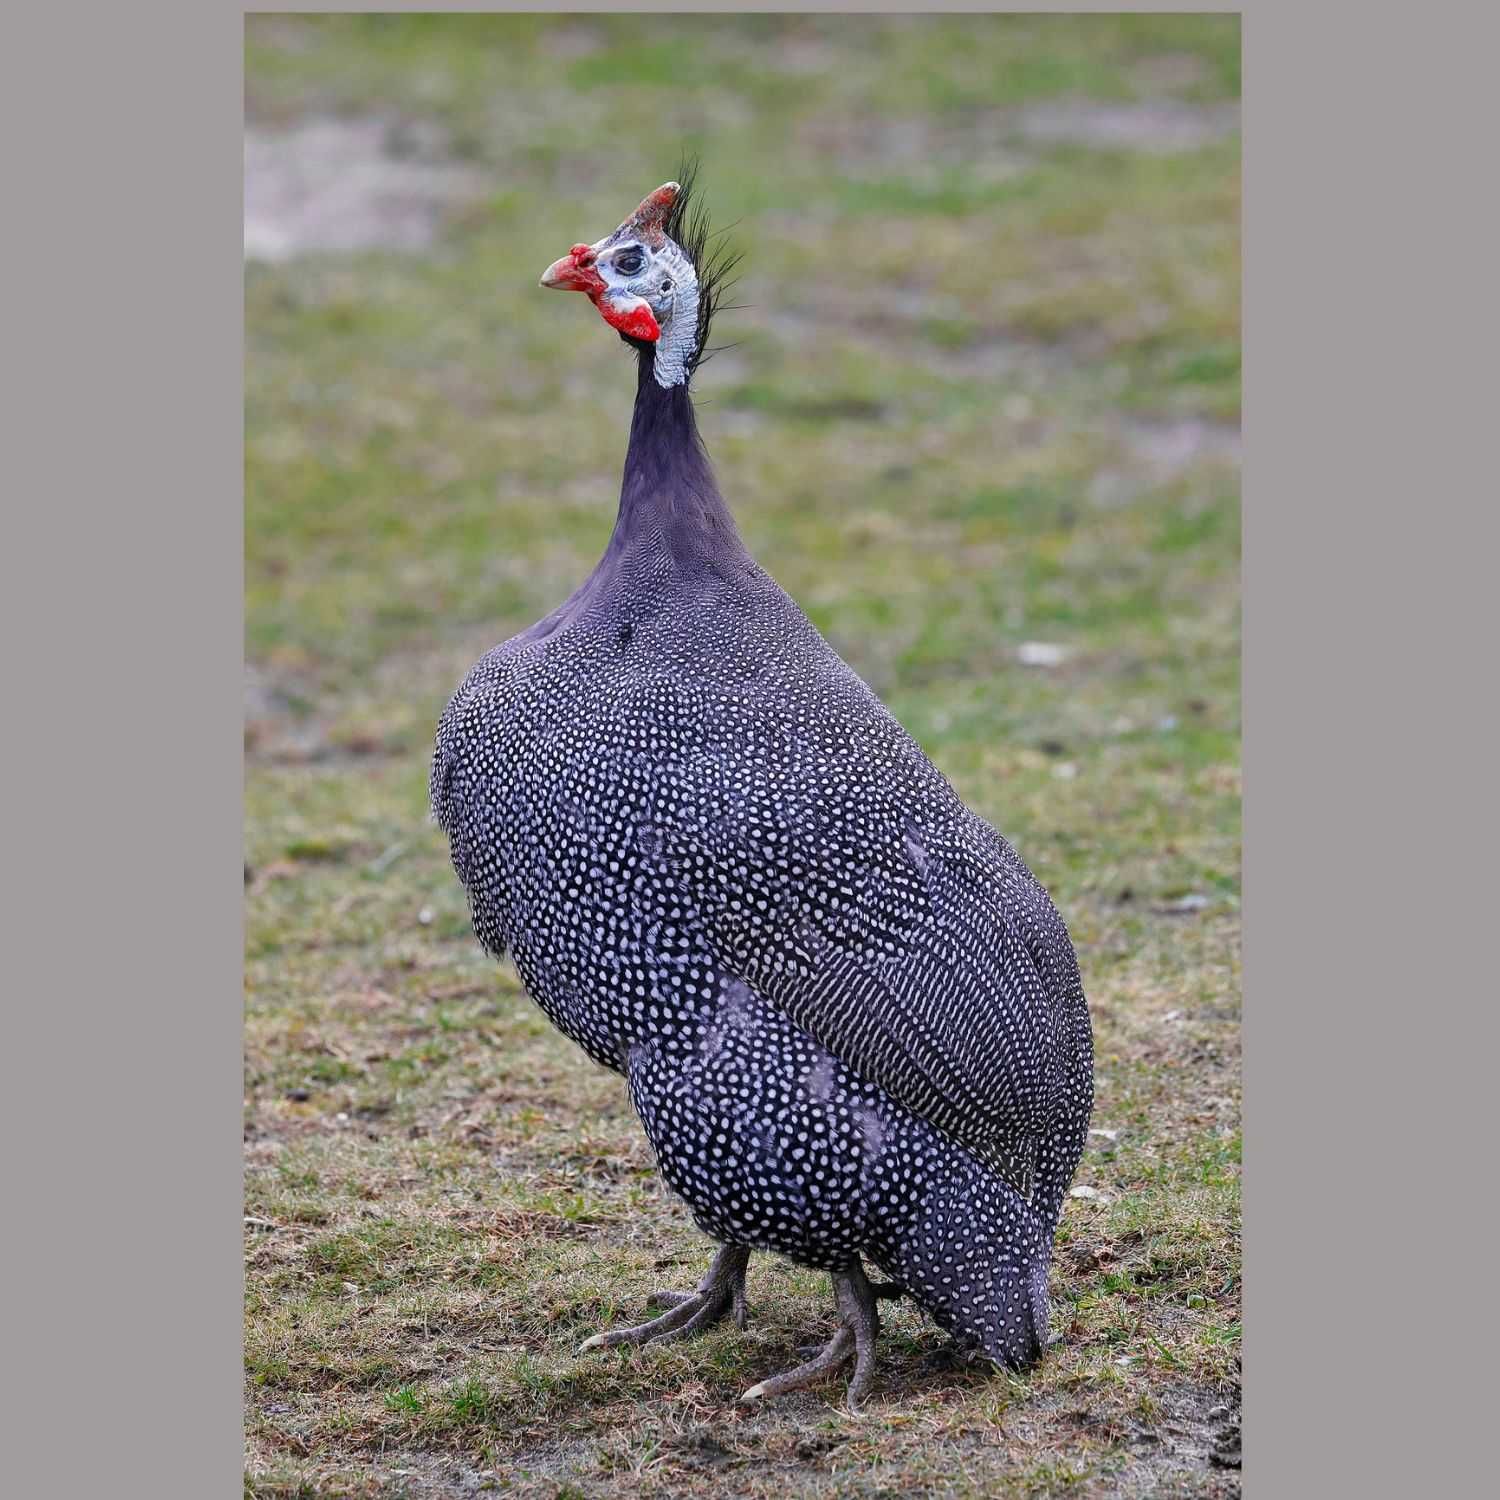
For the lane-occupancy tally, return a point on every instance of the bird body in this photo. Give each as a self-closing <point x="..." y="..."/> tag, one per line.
<point x="851" y="1021"/>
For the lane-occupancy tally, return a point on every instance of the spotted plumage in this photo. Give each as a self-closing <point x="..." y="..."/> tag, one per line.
<point x="851" y="1021"/>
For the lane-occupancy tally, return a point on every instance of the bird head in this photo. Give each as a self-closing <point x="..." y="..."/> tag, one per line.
<point x="644" y="284"/>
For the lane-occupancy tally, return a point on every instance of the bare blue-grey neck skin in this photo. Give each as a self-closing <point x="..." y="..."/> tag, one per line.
<point x="670" y="287"/>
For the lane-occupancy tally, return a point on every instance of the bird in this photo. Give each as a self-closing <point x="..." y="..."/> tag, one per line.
<point x="851" y="1021"/>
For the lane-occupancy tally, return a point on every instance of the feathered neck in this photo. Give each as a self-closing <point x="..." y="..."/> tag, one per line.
<point x="668" y="495"/>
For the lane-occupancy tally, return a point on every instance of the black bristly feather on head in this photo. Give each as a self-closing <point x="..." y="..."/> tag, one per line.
<point x="687" y="223"/>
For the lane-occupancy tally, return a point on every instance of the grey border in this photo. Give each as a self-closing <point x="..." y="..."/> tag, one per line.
<point x="122" y="463"/>
<point x="1365" y="129"/>
<point x="125" y="1249"/>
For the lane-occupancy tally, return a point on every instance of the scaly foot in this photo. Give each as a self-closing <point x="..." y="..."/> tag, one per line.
<point x="721" y="1291"/>
<point x="858" y="1329"/>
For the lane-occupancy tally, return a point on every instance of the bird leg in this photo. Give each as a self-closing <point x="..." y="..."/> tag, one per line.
<point x="721" y="1291"/>
<point x="859" y="1326"/>
<point x="879" y="1290"/>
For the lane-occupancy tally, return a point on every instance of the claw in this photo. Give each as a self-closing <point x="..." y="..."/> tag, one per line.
<point x="856" y="1335"/>
<point x="721" y="1291"/>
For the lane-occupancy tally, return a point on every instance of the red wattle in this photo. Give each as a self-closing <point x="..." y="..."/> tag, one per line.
<point x="639" y="322"/>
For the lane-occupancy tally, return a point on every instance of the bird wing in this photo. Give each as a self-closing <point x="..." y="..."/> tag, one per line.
<point x="772" y="804"/>
<point x="835" y="869"/>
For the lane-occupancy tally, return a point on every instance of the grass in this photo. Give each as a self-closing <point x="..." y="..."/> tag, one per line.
<point x="984" y="394"/>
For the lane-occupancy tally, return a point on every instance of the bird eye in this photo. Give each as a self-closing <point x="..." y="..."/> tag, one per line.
<point x="628" y="262"/>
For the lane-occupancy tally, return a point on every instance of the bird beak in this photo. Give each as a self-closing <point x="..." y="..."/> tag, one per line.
<point x="574" y="272"/>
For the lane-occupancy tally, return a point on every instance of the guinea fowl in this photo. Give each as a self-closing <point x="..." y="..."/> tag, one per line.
<point x="851" y="1021"/>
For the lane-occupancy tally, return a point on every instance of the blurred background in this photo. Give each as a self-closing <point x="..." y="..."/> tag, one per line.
<point x="979" y="417"/>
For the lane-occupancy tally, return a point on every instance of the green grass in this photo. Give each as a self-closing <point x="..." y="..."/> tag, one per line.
<point x="983" y="394"/>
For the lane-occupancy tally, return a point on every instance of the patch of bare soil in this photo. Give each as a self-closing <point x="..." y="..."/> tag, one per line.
<point x="1171" y="446"/>
<point x="1157" y="127"/>
<point x="1169" y="71"/>
<point x="275" y="732"/>
<point x="915" y="148"/>
<point x="1193" y="1447"/>
<point x="330" y="185"/>
<point x="857" y="325"/>
<point x="1157" y="452"/>
<point x="990" y="144"/>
